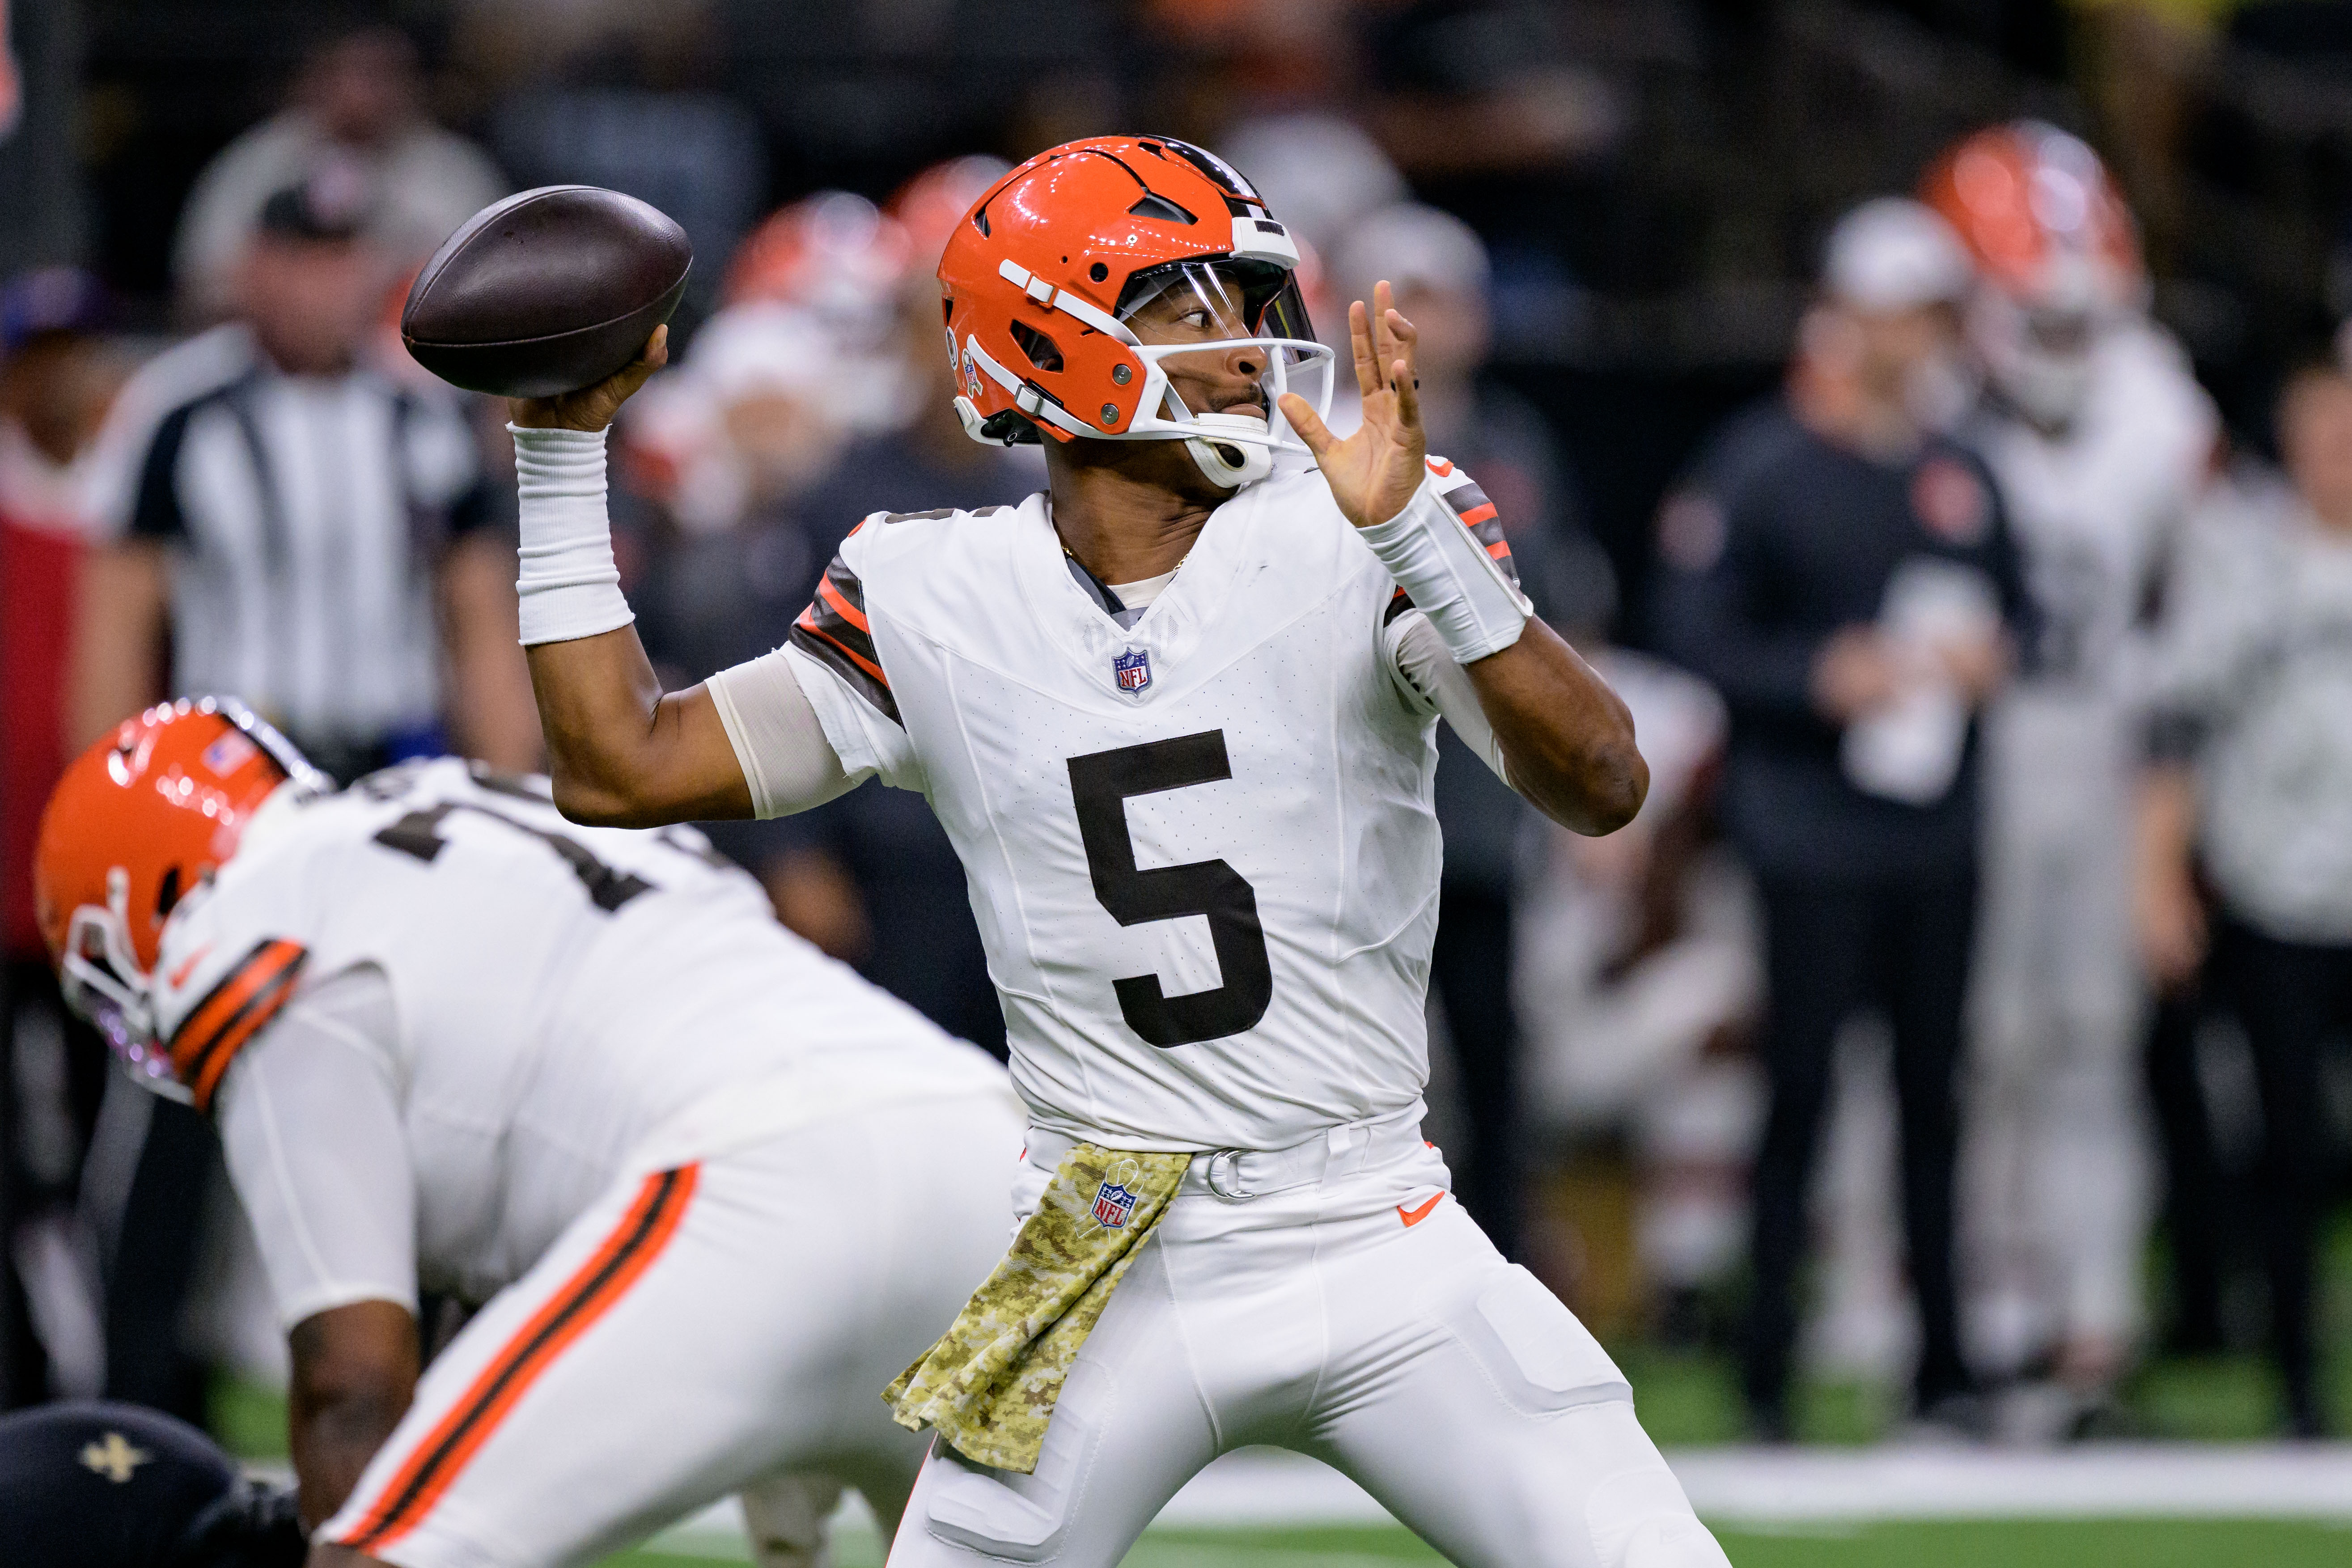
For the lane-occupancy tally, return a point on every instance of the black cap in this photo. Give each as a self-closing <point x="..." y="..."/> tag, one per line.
<point x="332" y="203"/>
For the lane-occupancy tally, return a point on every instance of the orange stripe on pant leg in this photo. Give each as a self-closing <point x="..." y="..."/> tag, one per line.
<point x="587" y="1296"/>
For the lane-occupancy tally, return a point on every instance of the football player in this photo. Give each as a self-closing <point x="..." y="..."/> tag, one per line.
<point x="705" y="1184"/>
<point x="1176" y="713"/>
<point x="2101" y="440"/>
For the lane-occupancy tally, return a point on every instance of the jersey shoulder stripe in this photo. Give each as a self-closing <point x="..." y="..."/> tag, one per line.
<point x="239" y="1007"/>
<point x="834" y="631"/>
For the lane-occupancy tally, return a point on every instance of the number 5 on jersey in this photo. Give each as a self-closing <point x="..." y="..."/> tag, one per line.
<point x="1101" y="784"/>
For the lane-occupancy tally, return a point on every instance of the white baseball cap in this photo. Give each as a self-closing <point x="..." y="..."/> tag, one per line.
<point x="1412" y="246"/>
<point x="1895" y="254"/>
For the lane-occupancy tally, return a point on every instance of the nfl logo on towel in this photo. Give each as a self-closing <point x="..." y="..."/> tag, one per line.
<point x="1113" y="1202"/>
<point x="1133" y="669"/>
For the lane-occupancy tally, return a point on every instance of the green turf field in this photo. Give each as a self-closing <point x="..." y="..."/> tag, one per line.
<point x="2123" y="1544"/>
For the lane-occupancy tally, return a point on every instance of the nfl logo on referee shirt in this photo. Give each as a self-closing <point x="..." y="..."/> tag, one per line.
<point x="1113" y="1204"/>
<point x="1133" y="669"/>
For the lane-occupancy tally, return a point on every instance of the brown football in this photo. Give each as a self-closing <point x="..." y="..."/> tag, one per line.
<point x="546" y="292"/>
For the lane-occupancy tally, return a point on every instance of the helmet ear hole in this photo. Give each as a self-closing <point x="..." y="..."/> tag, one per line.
<point x="1042" y="350"/>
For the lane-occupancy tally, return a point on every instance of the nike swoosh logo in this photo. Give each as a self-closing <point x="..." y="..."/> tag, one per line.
<point x="179" y="977"/>
<point x="1414" y="1217"/>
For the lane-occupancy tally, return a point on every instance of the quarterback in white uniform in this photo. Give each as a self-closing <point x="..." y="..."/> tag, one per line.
<point x="2100" y="438"/>
<point x="703" y="1185"/>
<point x="1176" y="714"/>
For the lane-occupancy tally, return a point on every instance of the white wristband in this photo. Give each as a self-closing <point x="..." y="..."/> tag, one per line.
<point x="1449" y="576"/>
<point x="568" y="586"/>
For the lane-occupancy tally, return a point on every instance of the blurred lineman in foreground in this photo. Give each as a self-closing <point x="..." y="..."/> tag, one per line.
<point x="454" y="1044"/>
<point x="308" y="531"/>
<point x="1844" y="576"/>
<point x="2251" y="785"/>
<point x="2101" y="440"/>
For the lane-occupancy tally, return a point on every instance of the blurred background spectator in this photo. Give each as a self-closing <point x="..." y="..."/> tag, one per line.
<point x="1607" y="217"/>
<point x="355" y="114"/>
<point x="1841" y="576"/>
<point x="57" y="375"/>
<point x="2253" y="783"/>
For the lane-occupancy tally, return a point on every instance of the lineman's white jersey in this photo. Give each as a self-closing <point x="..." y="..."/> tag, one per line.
<point x="1201" y="851"/>
<point x="2095" y="509"/>
<point x="569" y="1006"/>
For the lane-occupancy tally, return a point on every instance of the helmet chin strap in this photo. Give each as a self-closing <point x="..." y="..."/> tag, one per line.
<point x="1230" y="465"/>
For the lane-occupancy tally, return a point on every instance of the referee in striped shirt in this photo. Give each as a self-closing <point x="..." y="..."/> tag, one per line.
<point x="297" y="527"/>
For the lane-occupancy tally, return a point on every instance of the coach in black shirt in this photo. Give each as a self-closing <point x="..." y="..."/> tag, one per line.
<point x="1844" y="577"/>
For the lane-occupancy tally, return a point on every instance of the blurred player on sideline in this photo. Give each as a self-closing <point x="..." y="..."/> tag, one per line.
<point x="707" y="1188"/>
<point x="2100" y="439"/>
<point x="1176" y="715"/>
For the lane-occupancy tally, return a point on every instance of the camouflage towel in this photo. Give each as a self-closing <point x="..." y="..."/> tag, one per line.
<point x="988" y="1385"/>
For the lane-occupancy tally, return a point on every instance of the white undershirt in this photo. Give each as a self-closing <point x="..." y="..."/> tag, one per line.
<point x="1139" y="596"/>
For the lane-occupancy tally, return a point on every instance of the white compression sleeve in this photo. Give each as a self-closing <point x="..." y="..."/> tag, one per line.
<point x="1422" y="660"/>
<point x="569" y="586"/>
<point x="785" y="758"/>
<point x="1449" y="576"/>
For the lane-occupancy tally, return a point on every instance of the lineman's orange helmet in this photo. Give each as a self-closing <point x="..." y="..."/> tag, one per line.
<point x="138" y="822"/>
<point x="1042" y="275"/>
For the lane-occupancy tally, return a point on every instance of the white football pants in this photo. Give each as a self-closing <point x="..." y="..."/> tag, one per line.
<point x="2056" y="1178"/>
<point x="1364" y="1320"/>
<point x="724" y="1326"/>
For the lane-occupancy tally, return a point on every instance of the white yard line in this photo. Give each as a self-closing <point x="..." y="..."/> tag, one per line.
<point x="2107" y="1480"/>
<point x="1263" y="1487"/>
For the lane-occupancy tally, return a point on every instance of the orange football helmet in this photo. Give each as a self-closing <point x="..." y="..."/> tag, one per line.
<point x="834" y="251"/>
<point x="2055" y="248"/>
<point x="930" y="205"/>
<point x="2038" y="211"/>
<point x="136" y="823"/>
<point x="1042" y="275"/>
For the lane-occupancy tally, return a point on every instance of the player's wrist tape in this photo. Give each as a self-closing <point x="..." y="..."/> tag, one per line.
<point x="569" y="586"/>
<point x="1448" y="576"/>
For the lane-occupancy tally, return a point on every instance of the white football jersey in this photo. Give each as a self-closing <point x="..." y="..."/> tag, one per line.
<point x="2095" y="509"/>
<point x="571" y="1002"/>
<point x="1201" y="850"/>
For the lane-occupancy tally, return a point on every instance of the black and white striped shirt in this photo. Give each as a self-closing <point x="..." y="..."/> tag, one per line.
<point x="307" y="517"/>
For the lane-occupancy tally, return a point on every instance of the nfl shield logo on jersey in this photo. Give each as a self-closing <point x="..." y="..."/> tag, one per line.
<point x="1133" y="669"/>
<point x="1113" y="1204"/>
